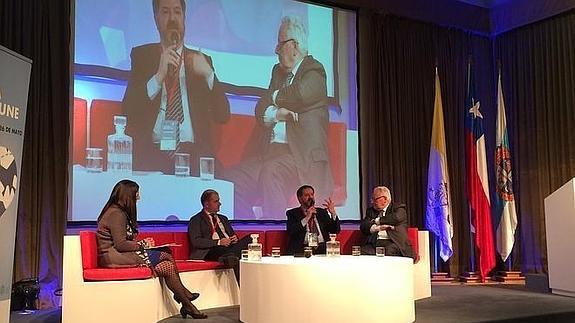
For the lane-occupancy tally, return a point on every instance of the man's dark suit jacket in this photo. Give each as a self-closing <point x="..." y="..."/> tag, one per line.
<point x="200" y="234"/>
<point x="296" y="232"/>
<point x="394" y="215"/>
<point x="205" y="106"/>
<point x="307" y="139"/>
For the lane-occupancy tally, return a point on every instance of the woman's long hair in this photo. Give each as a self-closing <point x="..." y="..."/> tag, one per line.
<point x="123" y="196"/>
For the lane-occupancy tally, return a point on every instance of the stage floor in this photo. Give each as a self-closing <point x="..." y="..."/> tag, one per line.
<point x="454" y="303"/>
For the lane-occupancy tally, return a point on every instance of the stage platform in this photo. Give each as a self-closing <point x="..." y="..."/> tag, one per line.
<point x="457" y="303"/>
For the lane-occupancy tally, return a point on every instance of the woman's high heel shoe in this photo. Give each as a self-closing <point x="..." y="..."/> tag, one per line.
<point x="197" y="315"/>
<point x="192" y="297"/>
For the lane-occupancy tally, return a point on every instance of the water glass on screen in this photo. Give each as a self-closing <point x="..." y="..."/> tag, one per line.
<point x="94" y="160"/>
<point x="207" y="168"/>
<point x="169" y="138"/>
<point x="182" y="164"/>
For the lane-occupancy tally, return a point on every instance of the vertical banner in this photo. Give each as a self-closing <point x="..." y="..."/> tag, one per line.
<point x="14" y="81"/>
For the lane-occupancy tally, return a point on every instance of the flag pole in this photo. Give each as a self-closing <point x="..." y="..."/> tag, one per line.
<point x="470" y="276"/>
<point x="435" y="254"/>
<point x="438" y="213"/>
<point x="505" y="196"/>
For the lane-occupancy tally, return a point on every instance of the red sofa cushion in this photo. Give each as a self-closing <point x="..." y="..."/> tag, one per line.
<point x="276" y="238"/>
<point x="269" y="239"/>
<point x="185" y="265"/>
<point x="79" y="131"/>
<point x="412" y="234"/>
<point x="89" y="248"/>
<point x="92" y="272"/>
<point x="348" y="239"/>
<point x="183" y="252"/>
<point x="337" y="147"/>
<point x="232" y="138"/>
<point x="103" y="274"/>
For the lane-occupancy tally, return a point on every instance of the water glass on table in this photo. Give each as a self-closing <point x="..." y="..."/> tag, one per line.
<point x="312" y="239"/>
<point x="356" y="251"/>
<point x="276" y="252"/>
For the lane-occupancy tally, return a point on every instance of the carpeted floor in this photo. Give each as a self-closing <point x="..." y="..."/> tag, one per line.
<point x="463" y="303"/>
<point x="457" y="303"/>
<point x="493" y="303"/>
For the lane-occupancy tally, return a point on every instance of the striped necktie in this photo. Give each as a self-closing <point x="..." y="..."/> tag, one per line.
<point x="288" y="79"/>
<point x="174" y="109"/>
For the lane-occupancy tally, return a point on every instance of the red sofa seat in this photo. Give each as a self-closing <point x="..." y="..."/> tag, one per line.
<point x="79" y="131"/>
<point x="269" y="239"/>
<point x="91" y="269"/>
<point x="93" y="272"/>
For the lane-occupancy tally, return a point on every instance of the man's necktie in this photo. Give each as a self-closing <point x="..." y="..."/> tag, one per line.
<point x="288" y="79"/>
<point x="174" y="105"/>
<point x="216" y="226"/>
<point x="311" y="225"/>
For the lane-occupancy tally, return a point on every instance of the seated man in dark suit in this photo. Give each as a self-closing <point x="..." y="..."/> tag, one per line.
<point x="212" y="237"/>
<point x="386" y="226"/>
<point x="307" y="218"/>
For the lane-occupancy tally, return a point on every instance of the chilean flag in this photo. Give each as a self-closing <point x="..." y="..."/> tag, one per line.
<point x="477" y="181"/>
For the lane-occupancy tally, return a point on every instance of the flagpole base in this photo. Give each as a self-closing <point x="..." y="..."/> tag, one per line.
<point x="470" y="277"/>
<point x="509" y="277"/>
<point x="441" y="278"/>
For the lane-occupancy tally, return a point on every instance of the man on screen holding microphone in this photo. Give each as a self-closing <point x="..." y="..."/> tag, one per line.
<point x="308" y="218"/>
<point x="169" y="82"/>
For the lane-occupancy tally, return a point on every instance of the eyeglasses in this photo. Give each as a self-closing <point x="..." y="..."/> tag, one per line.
<point x="281" y="43"/>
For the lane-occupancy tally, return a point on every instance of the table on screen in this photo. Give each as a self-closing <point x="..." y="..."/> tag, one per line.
<point x="161" y="195"/>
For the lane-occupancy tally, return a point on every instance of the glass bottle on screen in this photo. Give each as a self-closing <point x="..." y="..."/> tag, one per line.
<point x="255" y="248"/>
<point x="332" y="246"/>
<point x="119" y="147"/>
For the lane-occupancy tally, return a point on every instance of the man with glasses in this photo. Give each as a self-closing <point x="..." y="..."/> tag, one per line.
<point x="386" y="226"/>
<point x="291" y="134"/>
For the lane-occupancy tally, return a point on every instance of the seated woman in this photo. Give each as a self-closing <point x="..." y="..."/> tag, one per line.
<point x="117" y="245"/>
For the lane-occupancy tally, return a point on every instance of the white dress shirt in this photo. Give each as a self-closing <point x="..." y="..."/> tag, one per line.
<point x="279" y="127"/>
<point x="375" y="227"/>
<point x="186" y="130"/>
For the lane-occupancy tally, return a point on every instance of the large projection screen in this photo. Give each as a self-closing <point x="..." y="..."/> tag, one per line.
<point x="116" y="56"/>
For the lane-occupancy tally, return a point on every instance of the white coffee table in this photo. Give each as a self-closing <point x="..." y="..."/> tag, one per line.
<point x="322" y="289"/>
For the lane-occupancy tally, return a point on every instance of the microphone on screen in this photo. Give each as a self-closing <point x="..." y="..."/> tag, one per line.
<point x="175" y="37"/>
<point x="311" y="203"/>
<point x="175" y="40"/>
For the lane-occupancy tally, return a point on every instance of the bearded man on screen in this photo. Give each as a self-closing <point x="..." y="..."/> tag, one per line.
<point x="169" y="81"/>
